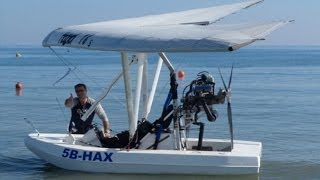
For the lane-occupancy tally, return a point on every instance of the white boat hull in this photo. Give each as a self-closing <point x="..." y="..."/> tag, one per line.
<point x="244" y="159"/>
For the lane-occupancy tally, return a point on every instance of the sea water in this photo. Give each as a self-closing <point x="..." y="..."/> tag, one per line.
<point x="275" y="100"/>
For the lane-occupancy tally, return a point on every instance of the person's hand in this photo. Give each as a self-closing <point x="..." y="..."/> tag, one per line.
<point x="107" y="134"/>
<point x="69" y="101"/>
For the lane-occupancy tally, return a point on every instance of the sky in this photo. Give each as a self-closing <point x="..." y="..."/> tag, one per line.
<point x="29" y="21"/>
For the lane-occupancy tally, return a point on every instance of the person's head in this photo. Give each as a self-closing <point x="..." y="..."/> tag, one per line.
<point x="81" y="90"/>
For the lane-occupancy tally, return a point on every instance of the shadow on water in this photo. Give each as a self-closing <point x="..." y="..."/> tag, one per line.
<point x="52" y="172"/>
<point x="269" y="170"/>
<point x="34" y="168"/>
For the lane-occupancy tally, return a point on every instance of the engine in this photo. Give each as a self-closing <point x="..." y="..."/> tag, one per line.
<point x="200" y="97"/>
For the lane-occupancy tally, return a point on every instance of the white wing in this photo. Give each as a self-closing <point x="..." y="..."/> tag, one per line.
<point x="201" y="16"/>
<point x="174" y="32"/>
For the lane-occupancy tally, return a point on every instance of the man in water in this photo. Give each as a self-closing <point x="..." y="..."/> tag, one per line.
<point x="79" y="106"/>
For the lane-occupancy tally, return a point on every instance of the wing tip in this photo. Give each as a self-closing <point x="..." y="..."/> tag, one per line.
<point x="254" y="2"/>
<point x="250" y="4"/>
<point x="284" y="22"/>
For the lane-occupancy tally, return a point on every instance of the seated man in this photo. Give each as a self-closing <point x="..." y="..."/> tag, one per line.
<point x="79" y="106"/>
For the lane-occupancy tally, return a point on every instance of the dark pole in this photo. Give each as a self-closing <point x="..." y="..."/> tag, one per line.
<point x="201" y="131"/>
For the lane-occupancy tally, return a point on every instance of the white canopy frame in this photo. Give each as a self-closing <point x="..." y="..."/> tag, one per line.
<point x="141" y="87"/>
<point x="133" y="104"/>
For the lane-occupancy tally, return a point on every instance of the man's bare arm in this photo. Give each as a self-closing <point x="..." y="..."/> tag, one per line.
<point x="106" y="128"/>
<point x="103" y="116"/>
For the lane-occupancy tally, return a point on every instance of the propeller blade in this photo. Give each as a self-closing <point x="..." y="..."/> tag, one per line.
<point x="230" y="123"/>
<point x="228" y="90"/>
<point x="230" y="79"/>
<point x="224" y="84"/>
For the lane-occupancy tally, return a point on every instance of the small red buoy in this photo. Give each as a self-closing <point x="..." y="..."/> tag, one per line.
<point x="19" y="85"/>
<point x="181" y="74"/>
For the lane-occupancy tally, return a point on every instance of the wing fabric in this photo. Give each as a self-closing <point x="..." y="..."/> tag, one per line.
<point x="194" y="16"/>
<point x="201" y="16"/>
<point x="243" y="35"/>
<point x="172" y="32"/>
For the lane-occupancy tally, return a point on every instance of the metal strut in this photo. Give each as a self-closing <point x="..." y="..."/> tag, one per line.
<point x="153" y="88"/>
<point x="141" y="59"/>
<point x="174" y="96"/>
<point x="167" y="62"/>
<point x="127" y="84"/>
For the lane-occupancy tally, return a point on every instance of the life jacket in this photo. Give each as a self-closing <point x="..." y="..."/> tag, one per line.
<point x="77" y="125"/>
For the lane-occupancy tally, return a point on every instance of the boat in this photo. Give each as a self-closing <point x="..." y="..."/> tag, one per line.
<point x="159" y="150"/>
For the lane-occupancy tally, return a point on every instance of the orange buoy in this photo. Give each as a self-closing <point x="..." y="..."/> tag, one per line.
<point x="181" y="74"/>
<point x="19" y="85"/>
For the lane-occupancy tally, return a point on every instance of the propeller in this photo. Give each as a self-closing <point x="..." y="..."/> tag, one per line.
<point x="229" y="109"/>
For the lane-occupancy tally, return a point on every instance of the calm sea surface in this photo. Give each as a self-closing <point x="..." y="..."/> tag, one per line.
<point x="275" y="100"/>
